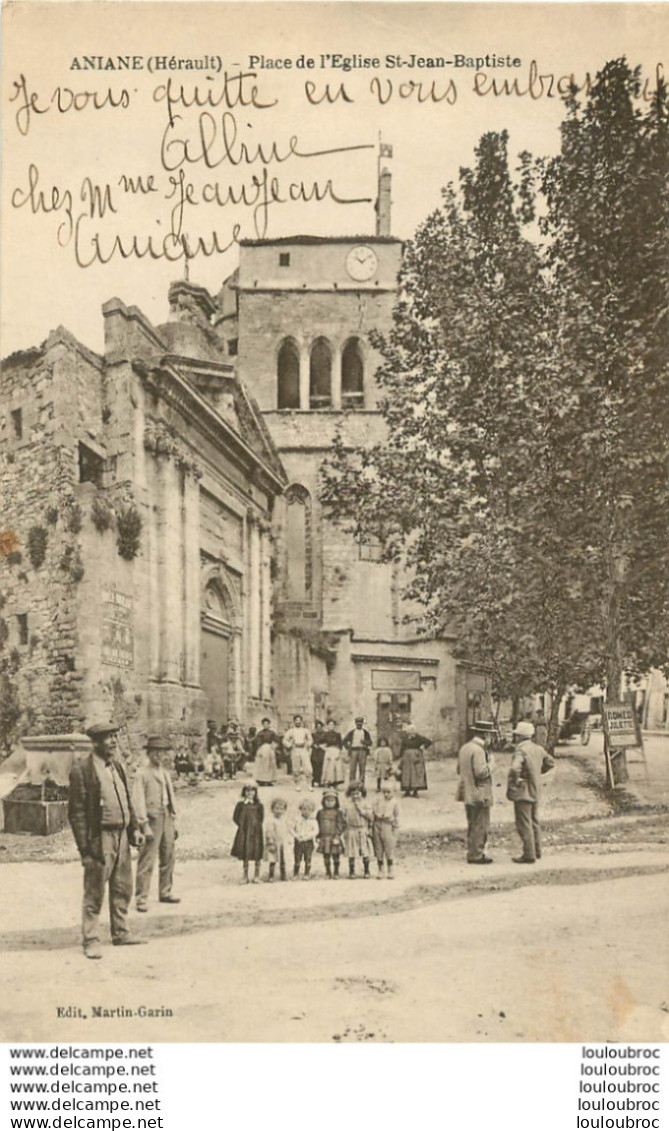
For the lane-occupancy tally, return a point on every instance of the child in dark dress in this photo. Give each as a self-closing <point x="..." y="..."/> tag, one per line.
<point x="331" y="824"/>
<point x="248" y="842"/>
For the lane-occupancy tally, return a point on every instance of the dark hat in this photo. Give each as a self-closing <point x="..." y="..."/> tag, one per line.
<point x="158" y="742"/>
<point x="297" y="716"/>
<point x="483" y="726"/>
<point x="263" y="721"/>
<point x="98" y="730"/>
<point x="359" y="718"/>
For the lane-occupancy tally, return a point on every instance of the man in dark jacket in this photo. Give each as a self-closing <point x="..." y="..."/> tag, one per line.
<point x="358" y="743"/>
<point x="475" y="766"/>
<point x="104" y="826"/>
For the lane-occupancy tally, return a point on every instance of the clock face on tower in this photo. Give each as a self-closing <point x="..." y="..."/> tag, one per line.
<point x="361" y="263"/>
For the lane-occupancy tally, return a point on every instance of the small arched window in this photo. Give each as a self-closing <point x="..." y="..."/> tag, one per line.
<point x="288" y="376"/>
<point x="320" y="375"/>
<point x="352" y="376"/>
<point x="299" y="536"/>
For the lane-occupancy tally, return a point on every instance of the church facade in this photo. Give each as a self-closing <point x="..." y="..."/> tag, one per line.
<point x="166" y="555"/>
<point x="138" y="492"/>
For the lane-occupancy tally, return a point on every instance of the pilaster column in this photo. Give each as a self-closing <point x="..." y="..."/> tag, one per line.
<point x="236" y="656"/>
<point x="154" y="526"/>
<point x="266" y="614"/>
<point x="169" y="571"/>
<point x="304" y="377"/>
<point x="335" y="377"/>
<point x="254" y="607"/>
<point x="191" y="533"/>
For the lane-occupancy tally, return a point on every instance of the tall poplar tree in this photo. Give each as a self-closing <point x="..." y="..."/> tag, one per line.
<point x="524" y="475"/>
<point x="607" y="224"/>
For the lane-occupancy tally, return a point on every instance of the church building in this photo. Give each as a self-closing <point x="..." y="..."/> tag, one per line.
<point x="138" y="491"/>
<point x="170" y="559"/>
<point x="298" y="314"/>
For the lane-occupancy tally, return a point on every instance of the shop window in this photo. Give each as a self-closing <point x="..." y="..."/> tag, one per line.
<point x="352" y="376"/>
<point x="288" y="376"/>
<point x="320" y="375"/>
<point x="233" y="345"/>
<point x="284" y="259"/>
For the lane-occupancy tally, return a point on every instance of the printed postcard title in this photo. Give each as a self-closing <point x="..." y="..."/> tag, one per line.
<point x="222" y="148"/>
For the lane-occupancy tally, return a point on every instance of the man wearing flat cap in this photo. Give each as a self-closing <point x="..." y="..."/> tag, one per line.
<point x="104" y="825"/>
<point x="153" y="799"/>
<point x="475" y="766"/>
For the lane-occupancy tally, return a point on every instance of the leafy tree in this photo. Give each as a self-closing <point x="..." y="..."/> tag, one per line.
<point x="524" y="474"/>
<point x="466" y="486"/>
<point x="607" y="221"/>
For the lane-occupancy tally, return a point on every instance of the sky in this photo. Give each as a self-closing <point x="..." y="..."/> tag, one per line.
<point x="160" y="166"/>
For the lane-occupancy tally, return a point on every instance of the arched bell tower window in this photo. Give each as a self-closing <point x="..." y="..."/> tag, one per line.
<point x="288" y="376"/>
<point x="320" y="375"/>
<point x="352" y="375"/>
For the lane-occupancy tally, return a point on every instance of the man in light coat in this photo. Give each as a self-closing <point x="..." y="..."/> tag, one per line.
<point x="475" y="766"/>
<point x="104" y="825"/>
<point x="297" y="741"/>
<point x="529" y="762"/>
<point x="153" y="800"/>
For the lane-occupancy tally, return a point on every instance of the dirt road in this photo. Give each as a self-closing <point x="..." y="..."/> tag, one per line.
<point x="574" y="948"/>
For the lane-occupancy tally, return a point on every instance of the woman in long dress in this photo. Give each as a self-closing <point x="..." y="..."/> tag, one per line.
<point x="264" y="747"/>
<point x="413" y="775"/>
<point x="334" y="773"/>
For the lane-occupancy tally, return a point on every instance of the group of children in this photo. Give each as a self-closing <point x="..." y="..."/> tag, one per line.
<point x="225" y="756"/>
<point x="356" y="830"/>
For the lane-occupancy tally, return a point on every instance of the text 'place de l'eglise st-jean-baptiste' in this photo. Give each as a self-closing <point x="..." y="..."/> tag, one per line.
<point x="172" y="562"/>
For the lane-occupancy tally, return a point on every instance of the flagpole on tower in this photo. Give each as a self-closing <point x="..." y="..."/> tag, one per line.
<point x="382" y="205"/>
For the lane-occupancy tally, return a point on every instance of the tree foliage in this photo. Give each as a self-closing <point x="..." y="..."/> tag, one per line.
<point x="607" y="223"/>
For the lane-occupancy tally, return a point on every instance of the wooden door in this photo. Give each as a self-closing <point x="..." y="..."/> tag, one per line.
<point x="215" y="674"/>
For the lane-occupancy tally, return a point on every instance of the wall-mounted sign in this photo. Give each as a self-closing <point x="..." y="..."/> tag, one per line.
<point x="396" y="679"/>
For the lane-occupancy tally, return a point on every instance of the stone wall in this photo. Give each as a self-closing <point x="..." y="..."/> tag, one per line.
<point x="109" y="621"/>
<point x="57" y="392"/>
<point x="301" y="679"/>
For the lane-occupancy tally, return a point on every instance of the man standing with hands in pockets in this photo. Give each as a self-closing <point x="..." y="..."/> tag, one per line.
<point x="153" y="799"/>
<point x="529" y="762"/>
<point x="104" y="825"/>
<point x="475" y="766"/>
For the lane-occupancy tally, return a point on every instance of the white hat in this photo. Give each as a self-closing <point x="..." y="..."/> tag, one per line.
<point x="524" y="730"/>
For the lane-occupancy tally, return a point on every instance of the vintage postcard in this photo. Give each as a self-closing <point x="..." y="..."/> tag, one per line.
<point x="333" y="555"/>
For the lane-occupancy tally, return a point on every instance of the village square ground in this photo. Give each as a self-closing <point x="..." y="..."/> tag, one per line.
<point x="573" y="949"/>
